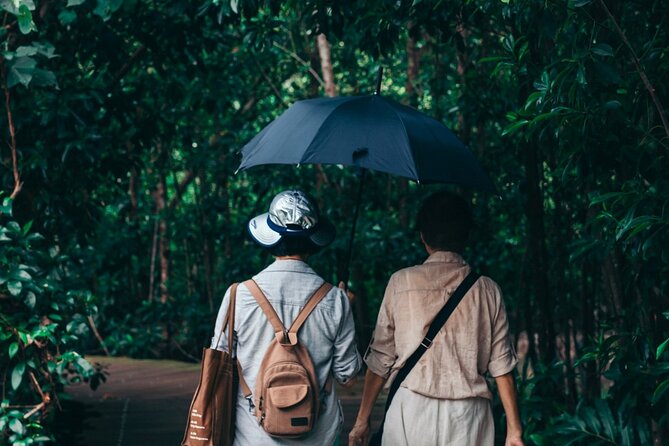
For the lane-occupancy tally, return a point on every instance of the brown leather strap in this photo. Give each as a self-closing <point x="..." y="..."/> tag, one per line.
<point x="265" y="306"/>
<point x="229" y="319"/>
<point x="309" y="307"/>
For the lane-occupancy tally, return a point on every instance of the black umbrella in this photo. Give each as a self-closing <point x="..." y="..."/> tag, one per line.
<point x="370" y="132"/>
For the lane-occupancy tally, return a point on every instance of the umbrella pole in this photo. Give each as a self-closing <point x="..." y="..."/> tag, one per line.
<point x="378" y="81"/>
<point x="349" y="253"/>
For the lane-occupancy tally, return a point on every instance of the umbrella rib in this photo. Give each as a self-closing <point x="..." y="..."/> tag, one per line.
<point x="406" y="134"/>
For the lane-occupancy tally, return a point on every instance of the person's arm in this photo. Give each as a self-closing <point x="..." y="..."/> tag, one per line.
<point x="346" y="361"/>
<point x="506" y="386"/>
<point x="359" y="435"/>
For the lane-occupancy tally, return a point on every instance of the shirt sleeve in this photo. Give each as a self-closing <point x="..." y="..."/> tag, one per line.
<point x="220" y="340"/>
<point x="502" y="355"/>
<point x="346" y="362"/>
<point x="381" y="356"/>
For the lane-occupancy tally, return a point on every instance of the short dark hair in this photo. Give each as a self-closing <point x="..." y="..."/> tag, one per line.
<point x="293" y="246"/>
<point x="445" y="220"/>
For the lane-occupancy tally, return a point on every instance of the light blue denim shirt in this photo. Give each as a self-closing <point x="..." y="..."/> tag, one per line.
<point x="328" y="334"/>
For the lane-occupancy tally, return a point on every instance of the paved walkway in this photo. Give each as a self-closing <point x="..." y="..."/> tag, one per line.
<point x="145" y="402"/>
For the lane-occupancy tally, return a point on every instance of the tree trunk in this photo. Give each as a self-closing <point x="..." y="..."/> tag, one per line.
<point x="464" y="65"/>
<point x="163" y="246"/>
<point x="413" y="67"/>
<point x="537" y="236"/>
<point x="326" y="65"/>
<point x="314" y="62"/>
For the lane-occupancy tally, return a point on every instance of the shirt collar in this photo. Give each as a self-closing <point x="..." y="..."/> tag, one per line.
<point x="446" y="257"/>
<point x="289" y="265"/>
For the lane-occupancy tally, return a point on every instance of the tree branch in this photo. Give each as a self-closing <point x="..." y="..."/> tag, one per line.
<point x="276" y="91"/>
<point x="302" y="62"/>
<point x="639" y="69"/>
<point x="126" y="67"/>
<point x="94" y="328"/>
<point x="12" y="134"/>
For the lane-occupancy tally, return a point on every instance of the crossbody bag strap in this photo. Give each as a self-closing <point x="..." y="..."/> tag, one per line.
<point x="436" y="325"/>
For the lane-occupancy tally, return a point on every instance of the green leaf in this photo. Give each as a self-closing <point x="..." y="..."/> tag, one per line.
<point x="75" y="2"/>
<point x="23" y="276"/>
<point x="661" y="348"/>
<point x="13" y="349"/>
<point x="660" y="391"/>
<point x="612" y="105"/>
<point x="12" y="6"/>
<point x="17" y="426"/>
<point x="21" y="71"/>
<point x="45" y="49"/>
<point x="514" y="127"/>
<point x="15" y="288"/>
<point x="23" y="336"/>
<point x="580" y="3"/>
<point x="30" y="300"/>
<point x="27" y="226"/>
<point x="6" y="207"/>
<point x="24" y="51"/>
<point x="105" y="8"/>
<point x="234" y="5"/>
<point x="602" y="49"/>
<point x="25" y="19"/>
<point x="580" y="75"/>
<point x="67" y="17"/>
<point x="606" y="418"/>
<point x="44" y="78"/>
<point x="17" y="375"/>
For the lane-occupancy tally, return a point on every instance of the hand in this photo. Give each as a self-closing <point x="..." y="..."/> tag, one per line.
<point x="350" y="294"/>
<point x="514" y="440"/>
<point x="359" y="435"/>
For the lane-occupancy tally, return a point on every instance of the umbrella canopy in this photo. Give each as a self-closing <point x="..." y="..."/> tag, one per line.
<point x="370" y="132"/>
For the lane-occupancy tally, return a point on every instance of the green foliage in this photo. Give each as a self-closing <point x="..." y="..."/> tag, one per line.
<point x="35" y="335"/>
<point x="142" y="108"/>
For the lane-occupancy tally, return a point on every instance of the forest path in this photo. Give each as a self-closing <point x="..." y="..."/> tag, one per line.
<point x="145" y="402"/>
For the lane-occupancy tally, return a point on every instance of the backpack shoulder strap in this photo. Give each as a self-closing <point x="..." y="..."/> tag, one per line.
<point x="314" y="300"/>
<point x="265" y="306"/>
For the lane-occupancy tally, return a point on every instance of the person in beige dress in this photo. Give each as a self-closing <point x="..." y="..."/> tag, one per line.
<point x="445" y="399"/>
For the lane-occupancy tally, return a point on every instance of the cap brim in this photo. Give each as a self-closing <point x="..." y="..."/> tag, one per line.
<point x="267" y="237"/>
<point x="324" y="234"/>
<point x="262" y="233"/>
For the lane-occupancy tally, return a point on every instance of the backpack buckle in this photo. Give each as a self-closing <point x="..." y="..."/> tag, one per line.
<point x="426" y="342"/>
<point x="286" y="338"/>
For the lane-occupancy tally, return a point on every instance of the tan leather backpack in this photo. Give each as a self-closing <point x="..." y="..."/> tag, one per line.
<point x="287" y="393"/>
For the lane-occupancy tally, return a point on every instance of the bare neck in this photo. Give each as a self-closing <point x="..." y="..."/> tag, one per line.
<point x="293" y="257"/>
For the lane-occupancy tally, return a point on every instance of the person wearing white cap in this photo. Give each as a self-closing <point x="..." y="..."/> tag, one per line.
<point x="291" y="231"/>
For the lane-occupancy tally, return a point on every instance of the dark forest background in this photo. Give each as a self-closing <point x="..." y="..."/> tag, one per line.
<point x="123" y="220"/>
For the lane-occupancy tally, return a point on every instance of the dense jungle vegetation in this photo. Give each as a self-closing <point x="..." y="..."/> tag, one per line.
<point x="123" y="219"/>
